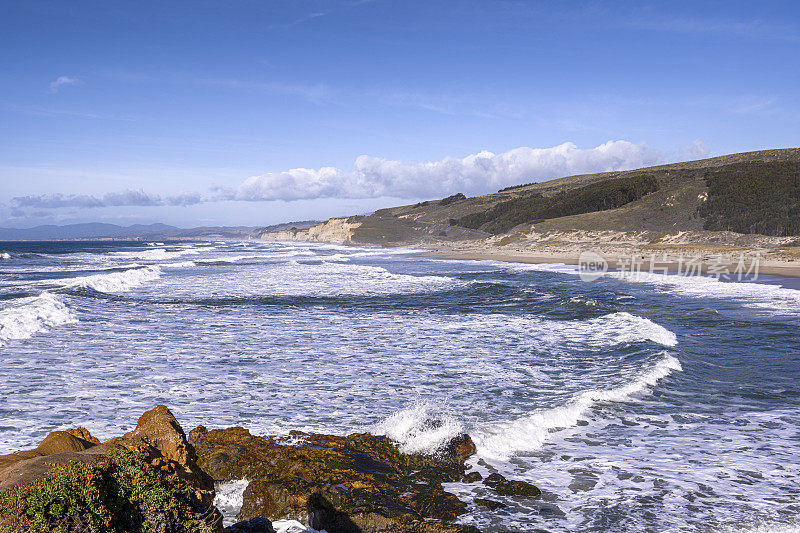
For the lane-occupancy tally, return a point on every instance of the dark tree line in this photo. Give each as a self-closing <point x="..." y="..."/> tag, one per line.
<point x="608" y="194"/>
<point x="754" y="198"/>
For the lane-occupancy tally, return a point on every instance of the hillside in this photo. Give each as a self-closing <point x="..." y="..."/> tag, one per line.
<point x="752" y="192"/>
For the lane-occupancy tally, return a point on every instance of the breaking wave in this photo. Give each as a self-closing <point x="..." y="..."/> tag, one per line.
<point x="26" y="316"/>
<point x="420" y="428"/>
<point x="501" y="440"/>
<point x="117" y="281"/>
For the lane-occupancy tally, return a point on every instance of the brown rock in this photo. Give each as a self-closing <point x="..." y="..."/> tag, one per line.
<point x="83" y="433"/>
<point x="57" y="442"/>
<point x="159" y="428"/>
<point x="360" y="483"/>
<point x="30" y="469"/>
<point x="60" y="442"/>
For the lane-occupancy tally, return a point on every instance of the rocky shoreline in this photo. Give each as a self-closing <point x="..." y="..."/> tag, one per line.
<point x="156" y="478"/>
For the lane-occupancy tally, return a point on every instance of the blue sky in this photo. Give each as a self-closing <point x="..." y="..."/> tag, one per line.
<point x="197" y="113"/>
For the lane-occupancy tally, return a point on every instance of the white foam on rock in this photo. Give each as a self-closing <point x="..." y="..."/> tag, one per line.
<point x="292" y="526"/>
<point x="24" y="317"/>
<point x="420" y="428"/>
<point x="501" y="440"/>
<point x="228" y="499"/>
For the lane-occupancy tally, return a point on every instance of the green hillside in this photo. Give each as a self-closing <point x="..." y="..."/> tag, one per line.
<point x="753" y="192"/>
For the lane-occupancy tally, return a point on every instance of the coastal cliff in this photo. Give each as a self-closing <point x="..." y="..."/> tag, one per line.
<point x="334" y="231"/>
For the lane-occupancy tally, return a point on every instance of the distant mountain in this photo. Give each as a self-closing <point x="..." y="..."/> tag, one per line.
<point x="98" y="230"/>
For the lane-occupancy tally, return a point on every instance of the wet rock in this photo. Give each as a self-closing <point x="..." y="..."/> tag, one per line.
<point x="490" y="504"/>
<point x="506" y="487"/>
<point x="359" y="483"/>
<point x="256" y="525"/>
<point x="472" y="477"/>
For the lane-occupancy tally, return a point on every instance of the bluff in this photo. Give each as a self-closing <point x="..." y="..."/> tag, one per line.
<point x="748" y="193"/>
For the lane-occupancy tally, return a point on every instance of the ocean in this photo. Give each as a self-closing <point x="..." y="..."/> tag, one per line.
<point x="661" y="403"/>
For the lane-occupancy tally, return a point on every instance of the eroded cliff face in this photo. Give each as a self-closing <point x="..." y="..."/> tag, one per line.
<point x="334" y="230"/>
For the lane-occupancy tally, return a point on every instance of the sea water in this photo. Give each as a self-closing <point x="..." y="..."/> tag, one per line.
<point x="660" y="403"/>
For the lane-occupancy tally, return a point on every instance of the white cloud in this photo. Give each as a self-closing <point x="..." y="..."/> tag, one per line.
<point x="112" y="199"/>
<point x="479" y="173"/>
<point x="61" y="81"/>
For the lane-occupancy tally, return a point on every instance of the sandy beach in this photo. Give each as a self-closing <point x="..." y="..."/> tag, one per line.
<point x="731" y="261"/>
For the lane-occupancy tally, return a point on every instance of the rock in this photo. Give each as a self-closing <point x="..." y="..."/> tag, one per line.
<point x="360" y="483"/>
<point x="103" y="488"/>
<point x="32" y="468"/>
<point x="83" y="433"/>
<point x="157" y="437"/>
<point x="472" y="477"/>
<point x="161" y="439"/>
<point x="60" y="442"/>
<point x="255" y="525"/>
<point x="511" y="488"/>
<point x="490" y="504"/>
<point x="461" y="447"/>
<point x="19" y="468"/>
<point x="159" y="429"/>
<point x="493" y="479"/>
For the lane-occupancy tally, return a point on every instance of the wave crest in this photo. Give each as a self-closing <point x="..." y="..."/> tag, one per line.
<point x="502" y="440"/>
<point x="26" y="316"/>
<point x="117" y="281"/>
<point x="420" y="428"/>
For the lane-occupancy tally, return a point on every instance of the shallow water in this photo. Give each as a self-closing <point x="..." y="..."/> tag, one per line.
<point x="655" y="404"/>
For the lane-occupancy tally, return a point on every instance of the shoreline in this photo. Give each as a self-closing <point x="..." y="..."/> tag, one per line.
<point x="766" y="267"/>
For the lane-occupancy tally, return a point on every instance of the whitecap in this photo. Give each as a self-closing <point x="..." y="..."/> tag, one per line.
<point x="228" y="499"/>
<point x="501" y="440"/>
<point x="116" y="281"/>
<point x="420" y="428"/>
<point x="156" y="254"/>
<point x="5" y="256"/>
<point x="24" y="317"/>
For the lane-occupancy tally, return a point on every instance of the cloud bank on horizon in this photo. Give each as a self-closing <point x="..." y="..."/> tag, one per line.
<point x="373" y="177"/>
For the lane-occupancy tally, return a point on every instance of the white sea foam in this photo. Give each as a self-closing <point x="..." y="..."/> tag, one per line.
<point x="5" y="256"/>
<point x="292" y="278"/>
<point x="156" y="254"/>
<point x="122" y="281"/>
<point x="420" y="428"/>
<point x="607" y="330"/>
<point x="292" y="526"/>
<point x="501" y="440"/>
<point x="763" y="528"/>
<point x="763" y="295"/>
<point x="624" y="327"/>
<point x="228" y="499"/>
<point x="24" y="317"/>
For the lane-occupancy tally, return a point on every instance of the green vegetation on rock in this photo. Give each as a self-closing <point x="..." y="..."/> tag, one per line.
<point x="608" y="194"/>
<point x="122" y="493"/>
<point x="754" y="198"/>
